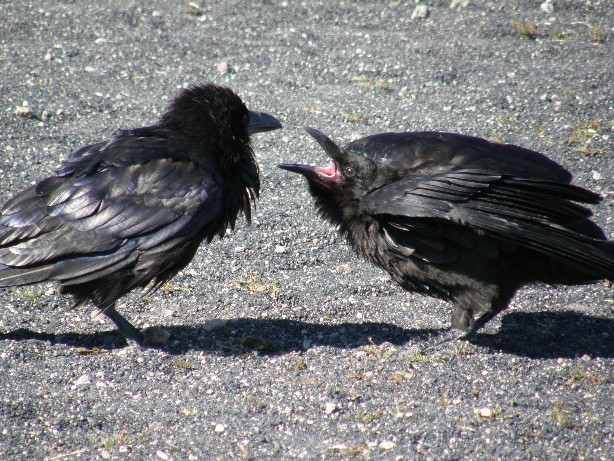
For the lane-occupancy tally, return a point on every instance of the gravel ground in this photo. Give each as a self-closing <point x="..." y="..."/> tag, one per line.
<point x="284" y="345"/>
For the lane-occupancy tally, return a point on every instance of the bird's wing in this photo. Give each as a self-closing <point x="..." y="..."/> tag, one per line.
<point x="434" y="152"/>
<point x="540" y="215"/>
<point x="95" y="222"/>
<point x="127" y="147"/>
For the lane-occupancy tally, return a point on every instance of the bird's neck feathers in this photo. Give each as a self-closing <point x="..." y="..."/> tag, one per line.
<point x="244" y="181"/>
<point x="338" y="209"/>
<point x="214" y="143"/>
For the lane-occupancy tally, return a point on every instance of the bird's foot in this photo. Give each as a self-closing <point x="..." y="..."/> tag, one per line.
<point x="436" y="342"/>
<point x="150" y="335"/>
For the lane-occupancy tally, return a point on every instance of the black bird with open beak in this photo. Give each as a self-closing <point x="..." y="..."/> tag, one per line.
<point x="460" y="218"/>
<point x="130" y="212"/>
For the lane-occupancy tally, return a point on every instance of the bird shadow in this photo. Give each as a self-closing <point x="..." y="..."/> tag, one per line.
<point x="239" y="336"/>
<point x="533" y="335"/>
<point x="547" y="335"/>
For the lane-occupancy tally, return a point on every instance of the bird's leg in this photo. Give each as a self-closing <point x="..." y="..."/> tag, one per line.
<point x="129" y="331"/>
<point x="153" y="335"/>
<point x="463" y="326"/>
<point x="479" y="323"/>
<point x="448" y="336"/>
<point x="462" y="318"/>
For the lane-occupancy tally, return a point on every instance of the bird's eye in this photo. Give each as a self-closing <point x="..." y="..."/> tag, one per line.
<point x="349" y="172"/>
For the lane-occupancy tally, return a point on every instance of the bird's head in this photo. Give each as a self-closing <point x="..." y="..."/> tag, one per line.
<point x="339" y="186"/>
<point x="216" y="118"/>
<point x="346" y="173"/>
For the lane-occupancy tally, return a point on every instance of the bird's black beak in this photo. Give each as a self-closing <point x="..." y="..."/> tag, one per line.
<point x="260" y="121"/>
<point x="306" y="170"/>
<point x="322" y="175"/>
<point x="329" y="146"/>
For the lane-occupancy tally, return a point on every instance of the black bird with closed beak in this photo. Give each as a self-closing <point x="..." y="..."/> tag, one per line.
<point x="130" y="212"/>
<point x="460" y="218"/>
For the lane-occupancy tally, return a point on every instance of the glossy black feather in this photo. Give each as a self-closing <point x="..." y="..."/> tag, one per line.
<point x="460" y="218"/>
<point x="132" y="211"/>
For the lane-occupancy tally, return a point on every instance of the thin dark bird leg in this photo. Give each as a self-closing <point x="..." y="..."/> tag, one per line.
<point x="462" y="318"/>
<point x="457" y="332"/>
<point x="479" y="323"/>
<point x="447" y="336"/>
<point x="129" y="330"/>
<point x="453" y="335"/>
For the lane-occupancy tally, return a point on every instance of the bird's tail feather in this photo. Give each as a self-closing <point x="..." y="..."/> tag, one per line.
<point x="607" y="246"/>
<point x="11" y="277"/>
<point x="592" y="256"/>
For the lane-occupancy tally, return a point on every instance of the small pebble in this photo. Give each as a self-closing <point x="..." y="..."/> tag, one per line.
<point x="82" y="381"/>
<point x="223" y="68"/>
<point x="420" y="12"/>
<point x="219" y="428"/>
<point x="459" y="3"/>
<point x="167" y="312"/>
<point x="330" y="407"/>
<point x="156" y="335"/>
<point x="24" y="111"/>
<point x="483" y="412"/>
<point x="547" y="7"/>
<point x="214" y="324"/>
<point x="195" y="8"/>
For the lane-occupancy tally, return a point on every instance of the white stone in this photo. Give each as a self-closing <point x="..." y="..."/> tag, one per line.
<point x="420" y="12"/>
<point x="330" y="407"/>
<point x="82" y="381"/>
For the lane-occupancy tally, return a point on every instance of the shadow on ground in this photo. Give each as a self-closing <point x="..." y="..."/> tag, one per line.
<point x="534" y="335"/>
<point x="237" y="336"/>
<point x="566" y="334"/>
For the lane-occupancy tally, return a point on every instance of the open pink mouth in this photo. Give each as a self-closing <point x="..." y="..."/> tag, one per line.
<point x="329" y="171"/>
<point x="323" y="177"/>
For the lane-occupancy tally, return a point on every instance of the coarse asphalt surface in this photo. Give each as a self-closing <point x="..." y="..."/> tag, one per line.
<point x="284" y="344"/>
